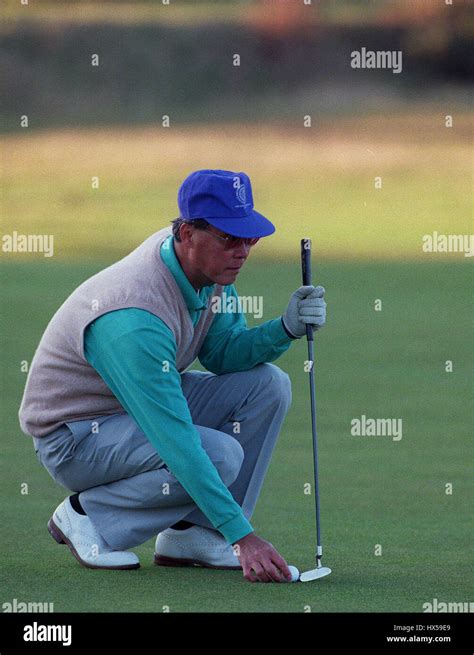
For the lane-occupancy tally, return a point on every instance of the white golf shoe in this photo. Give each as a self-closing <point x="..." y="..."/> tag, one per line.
<point x="67" y="526"/>
<point x="196" y="546"/>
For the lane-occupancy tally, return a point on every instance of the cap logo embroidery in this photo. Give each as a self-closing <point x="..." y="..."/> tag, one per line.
<point x="241" y="194"/>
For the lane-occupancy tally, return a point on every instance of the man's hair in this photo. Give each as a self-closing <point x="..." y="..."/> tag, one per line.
<point x="198" y="223"/>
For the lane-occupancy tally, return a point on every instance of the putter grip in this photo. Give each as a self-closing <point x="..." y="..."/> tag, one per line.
<point x="306" y="261"/>
<point x="306" y="271"/>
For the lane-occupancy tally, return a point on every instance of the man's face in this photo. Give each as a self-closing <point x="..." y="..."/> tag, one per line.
<point x="211" y="257"/>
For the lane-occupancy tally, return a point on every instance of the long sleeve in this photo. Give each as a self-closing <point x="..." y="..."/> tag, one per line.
<point x="135" y="354"/>
<point x="231" y="346"/>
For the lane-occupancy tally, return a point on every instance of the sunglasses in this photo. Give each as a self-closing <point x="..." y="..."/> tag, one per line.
<point x="230" y="242"/>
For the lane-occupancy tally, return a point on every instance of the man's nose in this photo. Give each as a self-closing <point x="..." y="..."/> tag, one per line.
<point x="242" y="250"/>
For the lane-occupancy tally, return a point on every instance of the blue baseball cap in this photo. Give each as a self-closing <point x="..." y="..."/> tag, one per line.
<point x="224" y="199"/>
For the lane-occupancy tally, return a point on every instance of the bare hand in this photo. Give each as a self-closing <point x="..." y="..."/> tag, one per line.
<point x="260" y="561"/>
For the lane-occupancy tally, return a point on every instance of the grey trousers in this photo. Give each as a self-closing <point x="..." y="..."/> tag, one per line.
<point x="126" y="488"/>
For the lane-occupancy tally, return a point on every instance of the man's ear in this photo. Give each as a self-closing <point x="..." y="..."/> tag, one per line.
<point x="186" y="233"/>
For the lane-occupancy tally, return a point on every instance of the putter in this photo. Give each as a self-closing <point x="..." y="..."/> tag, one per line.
<point x="320" y="571"/>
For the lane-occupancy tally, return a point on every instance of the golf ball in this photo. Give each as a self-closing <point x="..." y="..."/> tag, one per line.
<point x="295" y="574"/>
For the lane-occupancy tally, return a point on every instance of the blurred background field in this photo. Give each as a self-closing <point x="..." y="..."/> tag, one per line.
<point x="176" y="61"/>
<point x="317" y="182"/>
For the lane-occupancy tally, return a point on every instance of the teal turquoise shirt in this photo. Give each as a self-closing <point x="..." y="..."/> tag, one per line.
<point x="124" y="344"/>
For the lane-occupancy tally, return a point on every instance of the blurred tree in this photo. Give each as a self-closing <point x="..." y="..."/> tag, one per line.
<point x="415" y="12"/>
<point x="279" y="18"/>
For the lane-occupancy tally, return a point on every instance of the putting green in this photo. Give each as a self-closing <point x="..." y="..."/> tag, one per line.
<point x="388" y="523"/>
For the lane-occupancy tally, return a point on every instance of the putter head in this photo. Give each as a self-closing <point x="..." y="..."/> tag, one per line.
<point x="315" y="574"/>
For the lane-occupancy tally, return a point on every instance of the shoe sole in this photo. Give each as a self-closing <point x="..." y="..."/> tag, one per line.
<point x="60" y="538"/>
<point x="162" y="560"/>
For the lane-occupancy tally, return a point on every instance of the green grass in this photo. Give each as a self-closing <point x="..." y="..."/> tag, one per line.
<point x="374" y="490"/>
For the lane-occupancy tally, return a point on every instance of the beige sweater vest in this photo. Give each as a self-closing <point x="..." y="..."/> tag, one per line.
<point x="61" y="385"/>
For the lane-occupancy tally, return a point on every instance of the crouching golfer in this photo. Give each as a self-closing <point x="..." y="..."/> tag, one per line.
<point x="146" y="447"/>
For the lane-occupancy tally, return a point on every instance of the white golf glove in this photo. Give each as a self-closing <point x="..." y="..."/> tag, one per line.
<point x="306" y="306"/>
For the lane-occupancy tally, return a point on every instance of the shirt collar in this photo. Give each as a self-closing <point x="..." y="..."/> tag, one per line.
<point x="192" y="299"/>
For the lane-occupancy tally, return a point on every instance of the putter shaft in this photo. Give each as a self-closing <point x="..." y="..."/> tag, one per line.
<point x="319" y="548"/>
